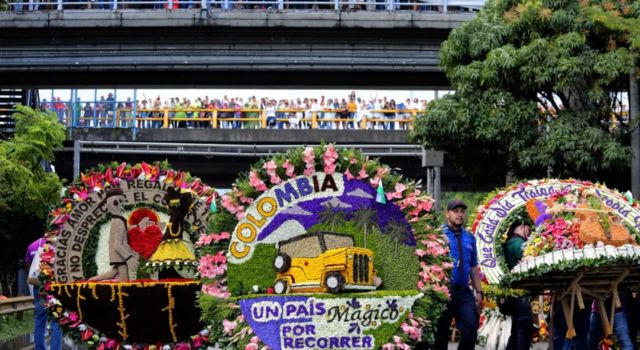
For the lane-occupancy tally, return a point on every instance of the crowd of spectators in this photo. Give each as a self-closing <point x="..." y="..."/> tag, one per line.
<point x="236" y="112"/>
<point x="345" y="5"/>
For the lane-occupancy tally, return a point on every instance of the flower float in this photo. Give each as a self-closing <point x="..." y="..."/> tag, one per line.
<point x="144" y="313"/>
<point x="584" y="238"/>
<point x="323" y="247"/>
<point x="574" y="223"/>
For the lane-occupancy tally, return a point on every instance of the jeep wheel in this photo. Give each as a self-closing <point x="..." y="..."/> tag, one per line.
<point x="334" y="282"/>
<point x="282" y="262"/>
<point x="280" y="287"/>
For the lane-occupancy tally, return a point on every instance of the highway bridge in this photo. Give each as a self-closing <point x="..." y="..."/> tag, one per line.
<point x="208" y="46"/>
<point x="192" y="47"/>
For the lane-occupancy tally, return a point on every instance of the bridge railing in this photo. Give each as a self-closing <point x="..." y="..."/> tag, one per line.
<point x="443" y="6"/>
<point x="246" y="118"/>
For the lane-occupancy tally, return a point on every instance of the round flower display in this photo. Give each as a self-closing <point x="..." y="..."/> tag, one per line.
<point x="575" y="224"/>
<point x="105" y="313"/>
<point x="323" y="247"/>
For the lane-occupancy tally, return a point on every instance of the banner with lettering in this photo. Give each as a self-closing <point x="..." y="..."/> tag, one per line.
<point x="307" y="322"/>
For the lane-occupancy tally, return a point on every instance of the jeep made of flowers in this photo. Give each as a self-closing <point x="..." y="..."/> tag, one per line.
<point x="323" y="262"/>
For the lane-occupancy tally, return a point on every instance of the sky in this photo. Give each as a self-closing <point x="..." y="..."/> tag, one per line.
<point x="165" y="94"/>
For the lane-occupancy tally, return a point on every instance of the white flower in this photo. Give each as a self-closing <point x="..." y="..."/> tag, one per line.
<point x="82" y="328"/>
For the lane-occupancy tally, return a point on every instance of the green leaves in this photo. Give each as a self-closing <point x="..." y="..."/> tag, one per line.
<point x="536" y="84"/>
<point x="24" y="185"/>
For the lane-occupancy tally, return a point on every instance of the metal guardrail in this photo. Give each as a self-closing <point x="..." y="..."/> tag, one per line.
<point x="235" y="150"/>
<point x="336" y="5"/>
<point x="241" y="118"/>
<point x="16" y="305"/>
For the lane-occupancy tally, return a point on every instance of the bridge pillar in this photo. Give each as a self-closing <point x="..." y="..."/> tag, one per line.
<point x="76" y="158"/>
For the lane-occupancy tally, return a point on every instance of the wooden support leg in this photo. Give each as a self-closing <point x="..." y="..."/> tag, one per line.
<point x="568" y="317"/>
<point x="603" y="317"/>
<point x="568" y="308"/>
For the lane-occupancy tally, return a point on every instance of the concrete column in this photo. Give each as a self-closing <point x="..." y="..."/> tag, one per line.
<point x="437" y="195"/>
<point x="430" y="181"/>
<point x="76" y="158"/>
<point x="134" y="114"/>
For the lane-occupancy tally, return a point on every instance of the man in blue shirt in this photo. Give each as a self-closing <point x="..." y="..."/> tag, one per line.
<point x="464" y="306"/>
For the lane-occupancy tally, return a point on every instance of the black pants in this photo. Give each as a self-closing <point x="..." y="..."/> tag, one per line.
<point x="462" y="307"/>
<point x="522" y="325"/>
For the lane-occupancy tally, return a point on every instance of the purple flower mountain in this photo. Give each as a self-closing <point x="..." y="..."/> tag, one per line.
<point x="357" y="194"/>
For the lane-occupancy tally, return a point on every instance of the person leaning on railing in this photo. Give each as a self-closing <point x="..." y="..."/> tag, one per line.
<point x="390" y="116"/>
<point x="352" y="108"/>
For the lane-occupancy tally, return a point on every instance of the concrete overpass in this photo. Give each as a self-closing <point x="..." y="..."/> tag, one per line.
<point x="212" y="48"/>
<point x="193" y="47"/>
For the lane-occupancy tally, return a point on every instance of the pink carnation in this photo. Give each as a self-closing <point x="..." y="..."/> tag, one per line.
<point x="229" y="204"/>
<point x="289" y="168"/>
<point x="330" y="156"/>
<point x="256" y="183"/>
<point x="229" y="326"/>
<point x="270" y="167"/>
<point x="329" y="168"/>
<point x="413" y="332"/>
<point x="212" y="266"/>
<point x="214" y="290"/>
<point x="362" y="174"/>
<point x="204" y="240"/>
<point x="309" y="157"/>
<point x="349" y="175"/>
<point x="275" y="179"/>
<point x="443" y="289"/>
<point x="221" y="236"/>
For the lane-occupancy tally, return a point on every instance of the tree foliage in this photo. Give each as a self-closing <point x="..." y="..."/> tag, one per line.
<point x="25" y="187"/>
<point x="27" y="192"/>
<point x="538" y="87"/>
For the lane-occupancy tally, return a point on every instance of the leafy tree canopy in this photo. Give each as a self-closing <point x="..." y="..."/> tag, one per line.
<point x="538" y="87"/>
<point x="25" y="187"/>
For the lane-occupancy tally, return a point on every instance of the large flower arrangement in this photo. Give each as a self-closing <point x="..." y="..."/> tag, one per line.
<point x="556" y="222"/>
<point x="220" y="297"/>
<point x="93" y="181"/>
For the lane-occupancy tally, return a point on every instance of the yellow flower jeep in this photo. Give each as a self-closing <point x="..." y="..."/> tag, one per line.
<point x="323" y="262"/>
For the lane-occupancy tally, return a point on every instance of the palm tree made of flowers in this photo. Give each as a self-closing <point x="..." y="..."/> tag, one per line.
<point x="397" y="231"/>
<point x="332" y="216"/>
<point x="366" y="220"/>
